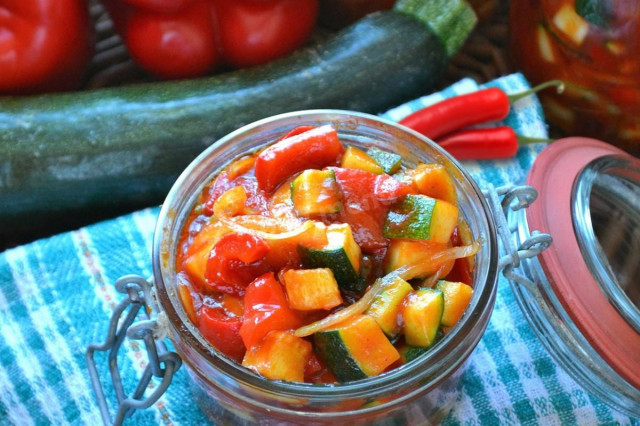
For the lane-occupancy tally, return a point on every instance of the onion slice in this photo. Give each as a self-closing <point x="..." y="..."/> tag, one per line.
<point x="236" y="225"/>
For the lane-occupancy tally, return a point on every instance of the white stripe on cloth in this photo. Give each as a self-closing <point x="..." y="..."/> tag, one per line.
<point x="30" y="367"/>
<point x="17" y="412"/>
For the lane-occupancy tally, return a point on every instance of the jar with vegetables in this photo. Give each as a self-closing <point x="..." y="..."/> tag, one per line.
<point x="594" y="47"/>
<point x="325" y="265"/>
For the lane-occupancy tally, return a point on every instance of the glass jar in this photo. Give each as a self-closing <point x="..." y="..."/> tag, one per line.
<point x="583" y="300"/>
<point x="414" y="393"/>
<point x="594" y="47"/>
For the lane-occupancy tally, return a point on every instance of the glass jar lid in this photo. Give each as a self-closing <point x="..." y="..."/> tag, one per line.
<point x="589" y="202"/>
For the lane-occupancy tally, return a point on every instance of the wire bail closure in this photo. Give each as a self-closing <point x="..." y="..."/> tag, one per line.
<point x="515" y="198"/>
<point x="162" y="363"/>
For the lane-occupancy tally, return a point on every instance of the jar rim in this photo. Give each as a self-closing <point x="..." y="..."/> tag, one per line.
<point x="480" y="307"/>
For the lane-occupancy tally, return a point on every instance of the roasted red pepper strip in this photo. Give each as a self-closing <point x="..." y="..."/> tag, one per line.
<point x="234" y="262"/>
<point x="45" y="45"/>
<point x="223" y="331"/>
<point x="315" y="148"/>
<point x="484" y="144"/>
<point x="366" y="200"/>
<point x="190" y="38"/>
<point x="265" y="309"/>
<point x="466" y="110"/>
<point x="460" y="271"/>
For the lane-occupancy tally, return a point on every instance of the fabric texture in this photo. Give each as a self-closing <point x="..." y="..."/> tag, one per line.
<point x="57" y="294"/>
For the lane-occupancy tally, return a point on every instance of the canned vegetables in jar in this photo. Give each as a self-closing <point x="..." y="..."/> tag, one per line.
<point x="313" y="260"/>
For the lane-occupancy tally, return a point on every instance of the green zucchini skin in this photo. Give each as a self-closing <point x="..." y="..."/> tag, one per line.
<point x="124" y="147"/>
<point x="329" y="346"/>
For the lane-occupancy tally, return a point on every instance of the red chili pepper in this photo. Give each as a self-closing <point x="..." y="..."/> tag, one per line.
<point x="189" y="38"/>
<point x="315" y="148"/>
<point x="484" y="144"/>
<point x="235" y="261"/>
<point x="45" y="45"/>
<point x="466" y="110"/>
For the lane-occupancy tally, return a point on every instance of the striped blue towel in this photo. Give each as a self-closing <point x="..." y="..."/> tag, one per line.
<point x="57" y="294"/>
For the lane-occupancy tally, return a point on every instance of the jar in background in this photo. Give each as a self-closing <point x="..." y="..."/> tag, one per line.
<point x="419" y="392"/>
<point x="594" y="47"/>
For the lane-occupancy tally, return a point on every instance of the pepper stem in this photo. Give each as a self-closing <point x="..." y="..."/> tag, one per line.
<point x="557" y="83"/>
<point x="526" y="140"/>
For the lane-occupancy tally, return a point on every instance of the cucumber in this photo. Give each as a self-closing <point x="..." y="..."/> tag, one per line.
<point x="420" y="217"/>
<point x="121" y="148"/>
<point x="315" y="192"/>
<point x="356" y="349"/>
<point x="341" y="254"/>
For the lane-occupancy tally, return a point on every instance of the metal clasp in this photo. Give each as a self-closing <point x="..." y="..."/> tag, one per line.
<point x="515" y="198"/>
<point x="162" y="363"/>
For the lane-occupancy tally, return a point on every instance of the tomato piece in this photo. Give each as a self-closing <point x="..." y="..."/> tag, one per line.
<point x="366" y="200"/>
<point x="315" y="148"/>
<point x="222" y="331"/>
<point x="388" y="190"/>
<point x="235" y="261"/>
<point x="256" y="199"/>
<point x="265" y="309"/>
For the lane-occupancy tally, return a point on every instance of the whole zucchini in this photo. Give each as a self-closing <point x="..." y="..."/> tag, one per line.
<point x="122" y="148"/>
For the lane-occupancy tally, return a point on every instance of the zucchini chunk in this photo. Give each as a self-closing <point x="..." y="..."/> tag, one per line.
<point x="456" y="299"/>
<point x="311" y="289"/>
<point x="357" y="348"/>
<point x="408" y="353"/>
<point x="389" y="162"/>
<point x="410" y="252"/>
<point x="435" y="181"/>
<point x="355" y="158"/>
<point x="422" y="218"/>
<point x="386" y="306"/>
<point x="341" y="254"/>
<point x="279" y="356"/>
<point x="422" y="315"/>
<point x="315" y="192"/>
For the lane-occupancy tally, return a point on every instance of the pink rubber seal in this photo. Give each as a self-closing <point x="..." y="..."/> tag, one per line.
<point x="553" y="175"/>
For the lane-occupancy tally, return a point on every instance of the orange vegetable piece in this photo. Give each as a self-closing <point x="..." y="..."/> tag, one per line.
<point x="279" y="356"/>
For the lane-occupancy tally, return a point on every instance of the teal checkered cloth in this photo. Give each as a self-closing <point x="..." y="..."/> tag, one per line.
<point x="57" y="294"/>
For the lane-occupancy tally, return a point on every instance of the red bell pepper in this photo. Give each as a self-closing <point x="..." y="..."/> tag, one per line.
<point x="315" y="148"/>
<point x="45" y="45"/>
<point x="367" y="198"/>
<point x="222" y="331"/>
<point x="189" y="38"/>
<point x="235" y="261"/>
<point x="265" y="309"/>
